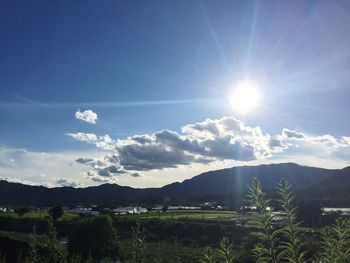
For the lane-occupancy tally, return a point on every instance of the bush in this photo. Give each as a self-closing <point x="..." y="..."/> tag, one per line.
<point x="93" y="236"/>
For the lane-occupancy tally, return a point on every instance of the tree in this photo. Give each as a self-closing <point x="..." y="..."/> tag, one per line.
<point x="95" y="236"/>
<point x="21" y="211"/>
<point x="56" y="212"/>
<point x="164" y="208"/>
<point x="309" y="212"/>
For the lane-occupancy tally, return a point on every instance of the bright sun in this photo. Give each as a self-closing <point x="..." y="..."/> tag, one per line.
<point x="245" y="97"/>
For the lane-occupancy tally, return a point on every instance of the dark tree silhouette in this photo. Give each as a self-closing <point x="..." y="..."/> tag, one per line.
<point x="94" y="236"/>
<point x="309" y="212"/>
<point x="56" y="212"/>
<point x="21" y="211"/>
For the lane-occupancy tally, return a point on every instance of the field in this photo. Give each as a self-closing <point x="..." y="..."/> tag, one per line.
<point x="188" y="214"/>
<point x="174" y="234"/>
<point x="170" y="214"/>
<point x="36" y="215"/>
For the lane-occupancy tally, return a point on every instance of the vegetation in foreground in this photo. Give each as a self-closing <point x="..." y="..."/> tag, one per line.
<point x="266" y="239"/>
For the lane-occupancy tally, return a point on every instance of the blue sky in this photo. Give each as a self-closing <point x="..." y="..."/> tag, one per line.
<point x="145" y="67"/>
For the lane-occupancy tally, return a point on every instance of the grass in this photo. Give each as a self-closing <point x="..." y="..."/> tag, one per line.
<point x="189" y="214"/>
<point x="163" y="252"/>
<point x="37" y="215"/>
<point x="170" y="214"/>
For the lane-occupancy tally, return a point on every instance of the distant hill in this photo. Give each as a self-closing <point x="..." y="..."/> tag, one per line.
<point x="336" y="188"/>
<point x="237" y="179"/>
<point x="221" y="182"/>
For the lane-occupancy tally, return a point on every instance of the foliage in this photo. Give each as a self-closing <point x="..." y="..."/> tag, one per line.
<point x="266" y="249"/>
<point x="285" y="242"/>
<point x="292" y="246"/>
<point x="33" y="255"/>
<point x="56" y="212"/>
<point x="226" y="250"/>
<point x="138" y="243"/>
<point x="271" y="238"/>
<point x="309" y="212"/>
<point x="54" y="248"/>
<point x="20" y="211"/>
<point x="164" y="208"/>
<point x="336" y="243"/>
<point x="208" y="256"/>
<point x="93" y="236"/>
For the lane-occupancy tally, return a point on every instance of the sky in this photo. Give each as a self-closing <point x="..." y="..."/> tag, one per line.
<point x="142" y="93"/>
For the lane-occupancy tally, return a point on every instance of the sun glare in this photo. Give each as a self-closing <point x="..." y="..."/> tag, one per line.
<point x="245" y="97"/>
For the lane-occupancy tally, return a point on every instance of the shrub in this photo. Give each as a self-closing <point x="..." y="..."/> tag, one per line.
<point x="335" y="245"/>
<point x="93" y="236"/>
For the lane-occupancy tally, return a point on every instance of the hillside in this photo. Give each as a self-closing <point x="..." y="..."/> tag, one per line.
<point x="225" y="181"/>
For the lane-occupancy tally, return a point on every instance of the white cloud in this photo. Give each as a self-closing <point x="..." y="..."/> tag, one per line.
<point x="150" y="160"/>
<point x="83" y="137"/>
<point x="203" y="143"/>
<point x="68" y="183"/>
<point x="87" y="116"/>
<point x="325" y="140"/>
<point x="103" y="142"/>
<point x="43" y="168"/>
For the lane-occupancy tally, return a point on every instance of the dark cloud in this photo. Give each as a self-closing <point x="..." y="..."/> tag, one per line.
<point x="84" y="160"/>
<point x="143" y="157"/>
<point x="290" y="134"/>
<point x="110" y="170"/>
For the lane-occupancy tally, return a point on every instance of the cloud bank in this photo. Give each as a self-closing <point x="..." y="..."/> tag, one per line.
<point x="87" y="116"/>
<point x="225" y="139"/>
<point x="165" y="156"/>
<point x="202" y="143"/>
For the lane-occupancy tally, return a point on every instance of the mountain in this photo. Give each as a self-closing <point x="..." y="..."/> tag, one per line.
<point x="237" y="179"/>
<point x="220" y="182"/>
<point x="336" y="188"/>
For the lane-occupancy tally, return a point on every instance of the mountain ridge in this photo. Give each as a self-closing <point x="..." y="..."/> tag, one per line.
<point x="217" y="182"/>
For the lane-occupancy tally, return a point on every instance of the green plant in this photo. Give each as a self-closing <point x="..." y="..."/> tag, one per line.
<point x="226" y="250"/>
<point x="33" y="256"/>
<point x="94" y="236"/>
<point x="176" y="256"/>
<point x="138" y="243"/>
<point x="267" y="248"/>
<point x="107" y="260"/>
<point x="21" y="211"/>
<point x="335" y="245"/>
<point x="292" y="244"/>
<point x="56" y="212"/>
<point x="74" y="259"/>
<point x="54" y="248"/>
<point x="207" y="256"/>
